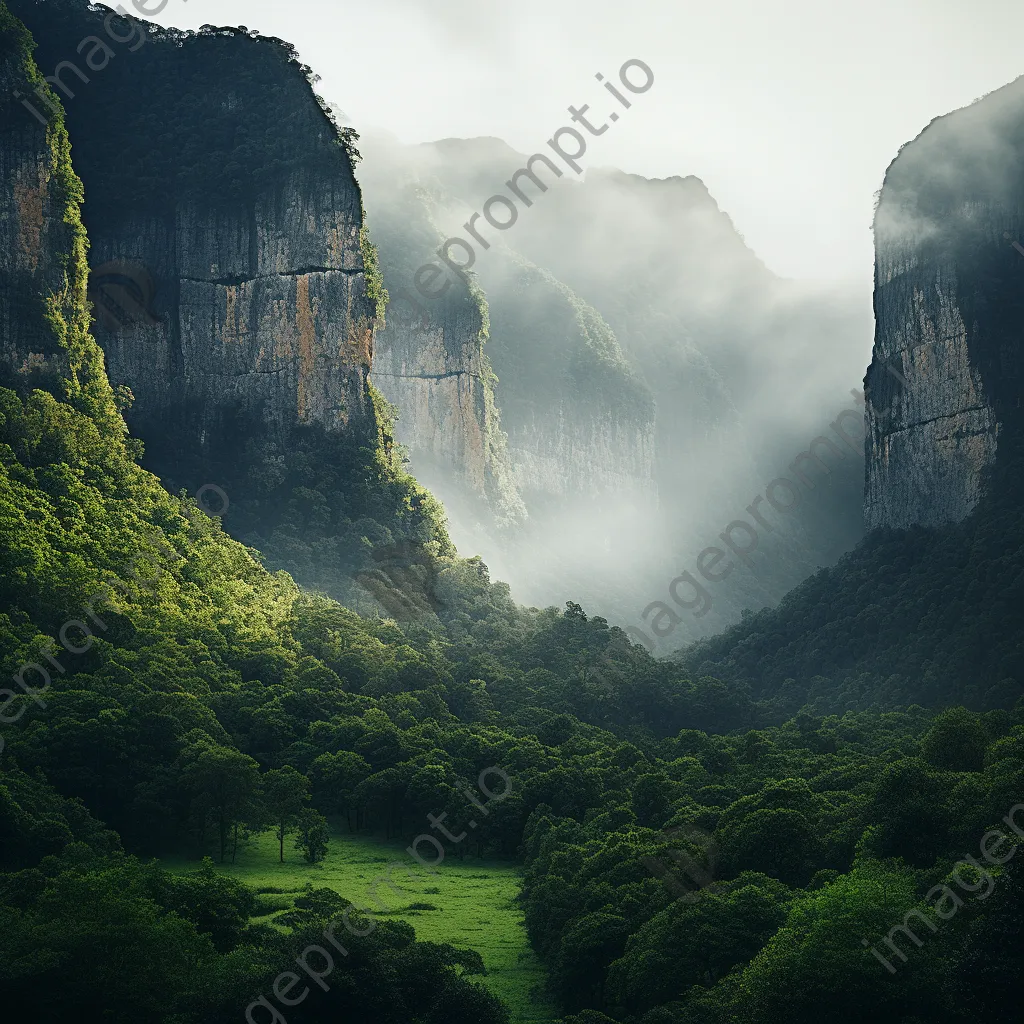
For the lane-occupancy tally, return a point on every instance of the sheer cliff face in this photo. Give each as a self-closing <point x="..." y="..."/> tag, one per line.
<point x="437" y="387"/>
<point x="435" y="374"/>
<point x="261" y="312"/>
<point x="945" y="380"/>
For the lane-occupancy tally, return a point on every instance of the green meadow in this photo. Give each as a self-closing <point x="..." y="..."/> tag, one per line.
<point x="474" y="904"/>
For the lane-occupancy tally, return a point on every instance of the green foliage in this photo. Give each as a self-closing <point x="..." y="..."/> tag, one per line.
<point x="374" y="277"/>
<point x="312" y="835"/>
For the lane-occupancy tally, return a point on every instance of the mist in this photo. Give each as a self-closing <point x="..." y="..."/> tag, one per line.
<point x="743" y="370"/>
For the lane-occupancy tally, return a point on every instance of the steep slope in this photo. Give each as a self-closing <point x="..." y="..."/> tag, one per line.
<point x="947" y="373"/>
<point x="236" y="292"/>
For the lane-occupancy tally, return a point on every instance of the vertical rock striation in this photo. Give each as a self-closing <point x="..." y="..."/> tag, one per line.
<point x="944" y="385"/>
<point x="436" y="376"/>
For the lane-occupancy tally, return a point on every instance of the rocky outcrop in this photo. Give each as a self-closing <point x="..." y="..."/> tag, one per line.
<point x="236" y="292"/>
<point x="945" y="380"/>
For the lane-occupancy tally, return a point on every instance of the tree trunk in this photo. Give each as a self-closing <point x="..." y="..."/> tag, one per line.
<point x="280" y="836"/>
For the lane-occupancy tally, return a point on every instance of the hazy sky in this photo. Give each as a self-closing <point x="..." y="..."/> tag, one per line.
<point x="789" y="111"/>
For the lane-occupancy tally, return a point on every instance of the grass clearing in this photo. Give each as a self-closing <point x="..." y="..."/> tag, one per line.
<point x="471" y="903"/>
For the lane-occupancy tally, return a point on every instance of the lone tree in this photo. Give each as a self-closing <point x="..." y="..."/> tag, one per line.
<point x="285" y="790"/>
<point x="313" y="835"/>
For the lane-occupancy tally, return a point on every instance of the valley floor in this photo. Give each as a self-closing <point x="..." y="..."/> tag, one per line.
<point x="475" y="903"/>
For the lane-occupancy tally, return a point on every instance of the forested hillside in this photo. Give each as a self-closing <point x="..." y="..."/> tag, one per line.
<point x="918" y="616"/>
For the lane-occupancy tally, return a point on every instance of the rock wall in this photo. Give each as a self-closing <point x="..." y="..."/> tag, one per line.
<point x="429" y="361"/>
<point x="932" y="431"/>
<point x="433" y="371"/>
<point x="944" y="385"/>
<point x="563" y="455"/>
<point x="261" y="312"/>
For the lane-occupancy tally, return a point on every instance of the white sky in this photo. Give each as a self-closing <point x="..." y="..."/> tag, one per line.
<point x="789" y="110"/>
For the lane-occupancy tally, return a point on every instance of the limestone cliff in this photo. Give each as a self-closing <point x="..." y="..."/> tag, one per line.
<point x="944" y="385"/>
<point x="261" y="313"/>
<point x="236" y="292"/>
